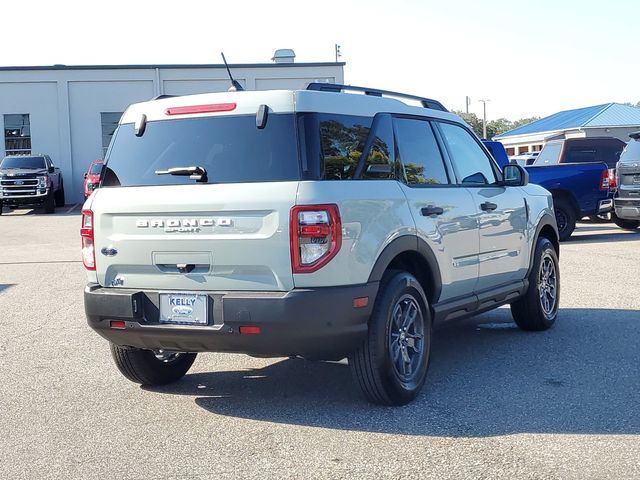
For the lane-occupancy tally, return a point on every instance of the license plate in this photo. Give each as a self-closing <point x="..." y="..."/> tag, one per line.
<point x="636" y="179"/>
<point x="183" y="308"/>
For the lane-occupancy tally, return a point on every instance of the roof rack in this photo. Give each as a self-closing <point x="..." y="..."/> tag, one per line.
<point x="160" y="97"/>
<point x="635" y="135"/>
<point x="338" y="88"/>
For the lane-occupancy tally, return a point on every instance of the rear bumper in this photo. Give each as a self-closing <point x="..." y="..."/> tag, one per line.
<point x="318" y="323"/>
<point x="627" y="209"/>
<point x="605" y="206"/>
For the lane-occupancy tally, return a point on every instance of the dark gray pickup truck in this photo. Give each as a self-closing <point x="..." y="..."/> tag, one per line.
<point x="30" y="180"/>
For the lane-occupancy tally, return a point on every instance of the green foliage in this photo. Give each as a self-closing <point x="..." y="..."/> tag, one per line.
<point x="494" y="127"/>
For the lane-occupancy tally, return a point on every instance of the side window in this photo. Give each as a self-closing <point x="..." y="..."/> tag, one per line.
<point x="342" y="140"/>
<point x="419" y="153"/>
<point x="380" y="161"/>
<point x="472" y="163"/>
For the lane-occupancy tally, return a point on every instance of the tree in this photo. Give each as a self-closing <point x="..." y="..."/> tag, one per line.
<point x="474" y="122"/>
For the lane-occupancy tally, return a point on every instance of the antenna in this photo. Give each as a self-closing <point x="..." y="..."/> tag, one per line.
<point x="235" y="86"/>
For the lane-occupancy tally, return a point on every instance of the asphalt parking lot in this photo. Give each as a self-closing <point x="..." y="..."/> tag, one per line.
<point x="498" y="403"/>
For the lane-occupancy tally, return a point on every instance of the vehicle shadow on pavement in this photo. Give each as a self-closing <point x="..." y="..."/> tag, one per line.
<point x="620" y="236"/>
<point x="486" y="378"/>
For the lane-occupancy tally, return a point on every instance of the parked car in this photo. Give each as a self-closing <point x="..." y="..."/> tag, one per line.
<point x="627" y="199"/>
<point x="578" y="190"/>
<point x="525" y="159"/>
<point x="313" y="223"/>
<point x="497" y="151"/>
<point x="31" y="180"/>
<point x="92" y="177"/>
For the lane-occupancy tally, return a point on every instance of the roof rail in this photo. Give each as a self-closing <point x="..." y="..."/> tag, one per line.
<point x="635" y="135"/>
<point x="160" y="97"/>
<point x="338" y="88"/>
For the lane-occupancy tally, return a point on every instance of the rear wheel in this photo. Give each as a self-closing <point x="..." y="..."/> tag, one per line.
<point x="625" y="224"/>
<point x="565" y="218"/>
<point x="148" y="367"/>
<point x="49" y="203"/>
<point x="538" y="308"/>
<point x="391" y="366"/>
<point x="0" y="208"/>
<point x="60" y="197"/>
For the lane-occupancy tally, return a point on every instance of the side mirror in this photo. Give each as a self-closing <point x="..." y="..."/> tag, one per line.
<point x="85" y="175"/>
<point x="51" y="170"/>
<point x="514" y="176"/>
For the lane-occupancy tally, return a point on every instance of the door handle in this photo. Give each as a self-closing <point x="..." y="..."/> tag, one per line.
<point x="431" y="210"/>
<point x="488" y="206"/>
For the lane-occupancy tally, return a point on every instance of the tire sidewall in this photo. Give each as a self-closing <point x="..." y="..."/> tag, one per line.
<point x="396" y="287"/>
<point x="543" y="248"/>
<point x="567" y="211"/>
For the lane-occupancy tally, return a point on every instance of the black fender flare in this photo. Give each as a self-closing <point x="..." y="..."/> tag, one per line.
<point x="409" y="243"/>
<point x="545" y="221"/>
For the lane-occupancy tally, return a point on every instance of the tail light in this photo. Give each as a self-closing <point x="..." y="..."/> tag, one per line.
<point x="604" y="180"/>
<point x="316" y="236"/>
<point x="86" y="234"/>
<point x="612" y="179"/>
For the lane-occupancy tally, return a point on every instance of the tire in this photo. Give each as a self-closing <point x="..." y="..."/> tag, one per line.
<point x="0" y="208"/>
<point x="60" y="197"/>
<point x="537" y="310"/>
<point x="49" y="203"/>
<point x="379" y="366"/>
<point x="147" y="368"/>
<point x="625" y="224"/>
<point x="565" y="218"/>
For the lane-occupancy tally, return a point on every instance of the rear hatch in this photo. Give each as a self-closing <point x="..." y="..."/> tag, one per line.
<point x="228" y="231"/>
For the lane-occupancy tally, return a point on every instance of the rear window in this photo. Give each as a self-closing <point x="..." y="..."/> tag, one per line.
<point x="549" y="154"/>
<point x="231" y="150"/>
<point x="632" y="152"/>
<point x="23" y="162"/>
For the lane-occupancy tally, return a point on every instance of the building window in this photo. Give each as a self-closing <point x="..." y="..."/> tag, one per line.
<point x="109" y="124"/>
<point x="17" y="134"/>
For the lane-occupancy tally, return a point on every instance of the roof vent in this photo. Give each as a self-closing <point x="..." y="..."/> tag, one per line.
<point x="284" y="55"/>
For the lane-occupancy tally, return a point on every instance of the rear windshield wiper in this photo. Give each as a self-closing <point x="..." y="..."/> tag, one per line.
<point x="197" y="173"/>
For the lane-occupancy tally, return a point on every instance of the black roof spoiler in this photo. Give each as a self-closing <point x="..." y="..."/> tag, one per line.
<point x="338" y="88"/>
<point x="635" y="135"/>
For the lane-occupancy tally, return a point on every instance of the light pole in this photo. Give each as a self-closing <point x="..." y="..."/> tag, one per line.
<point x="484" y="118"/>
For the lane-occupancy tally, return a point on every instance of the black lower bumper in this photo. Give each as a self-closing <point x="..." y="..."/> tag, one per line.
<point x="319" y="323"/>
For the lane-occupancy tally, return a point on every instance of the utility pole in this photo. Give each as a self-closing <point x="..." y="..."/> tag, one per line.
<point x="484" y="118"/>
<point x="467" y="103"/>
<point x="338" y="54"/>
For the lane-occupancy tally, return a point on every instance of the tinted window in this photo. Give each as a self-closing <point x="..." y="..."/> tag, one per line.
<point x="96" y="168"/>
<point x="549" y="154"/>
<point x="23" y="162"/>
<point x="631" y="152"/>
<point x="342" y="140"/>
<point x="231" y="149"/>
<point x="472" y="163"/>
<point x="419" y="153"/>
<point x="380" y="161"/>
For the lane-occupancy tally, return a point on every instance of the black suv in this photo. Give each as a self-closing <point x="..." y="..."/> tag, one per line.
<point x="30" y="180"/>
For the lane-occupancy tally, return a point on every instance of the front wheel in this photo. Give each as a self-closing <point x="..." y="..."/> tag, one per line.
<point x="150" y="368"/>
<point x="625" y="224"/>
<point x="60" y="197"/>
<point x="391" y="365"/>
<point x="49" y="203"/>
<point x="538" y="309"/>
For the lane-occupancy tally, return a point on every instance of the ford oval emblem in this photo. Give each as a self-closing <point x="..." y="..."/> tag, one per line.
<point x="182" y="310"/>
<point x="109" y="251"/>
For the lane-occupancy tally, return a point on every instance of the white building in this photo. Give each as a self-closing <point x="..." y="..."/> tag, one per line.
<point x="70" y="112"/>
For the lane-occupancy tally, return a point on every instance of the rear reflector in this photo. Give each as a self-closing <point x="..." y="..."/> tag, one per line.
<point x="360" y="302"/>
<point x="249" y="330"/>
<point x="216" y="107"/>
<point x="119" y="324"/>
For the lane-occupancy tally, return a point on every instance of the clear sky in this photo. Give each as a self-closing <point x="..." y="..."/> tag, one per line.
<point x="527" y="57"/>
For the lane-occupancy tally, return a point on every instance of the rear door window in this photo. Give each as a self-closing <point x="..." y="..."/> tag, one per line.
<point x="419" y="153"/>
<point x="230" y="148"/>
<point x="472" y="164"/>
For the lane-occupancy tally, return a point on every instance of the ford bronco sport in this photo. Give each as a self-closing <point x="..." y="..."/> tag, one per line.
<point x="315" y="223"/>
